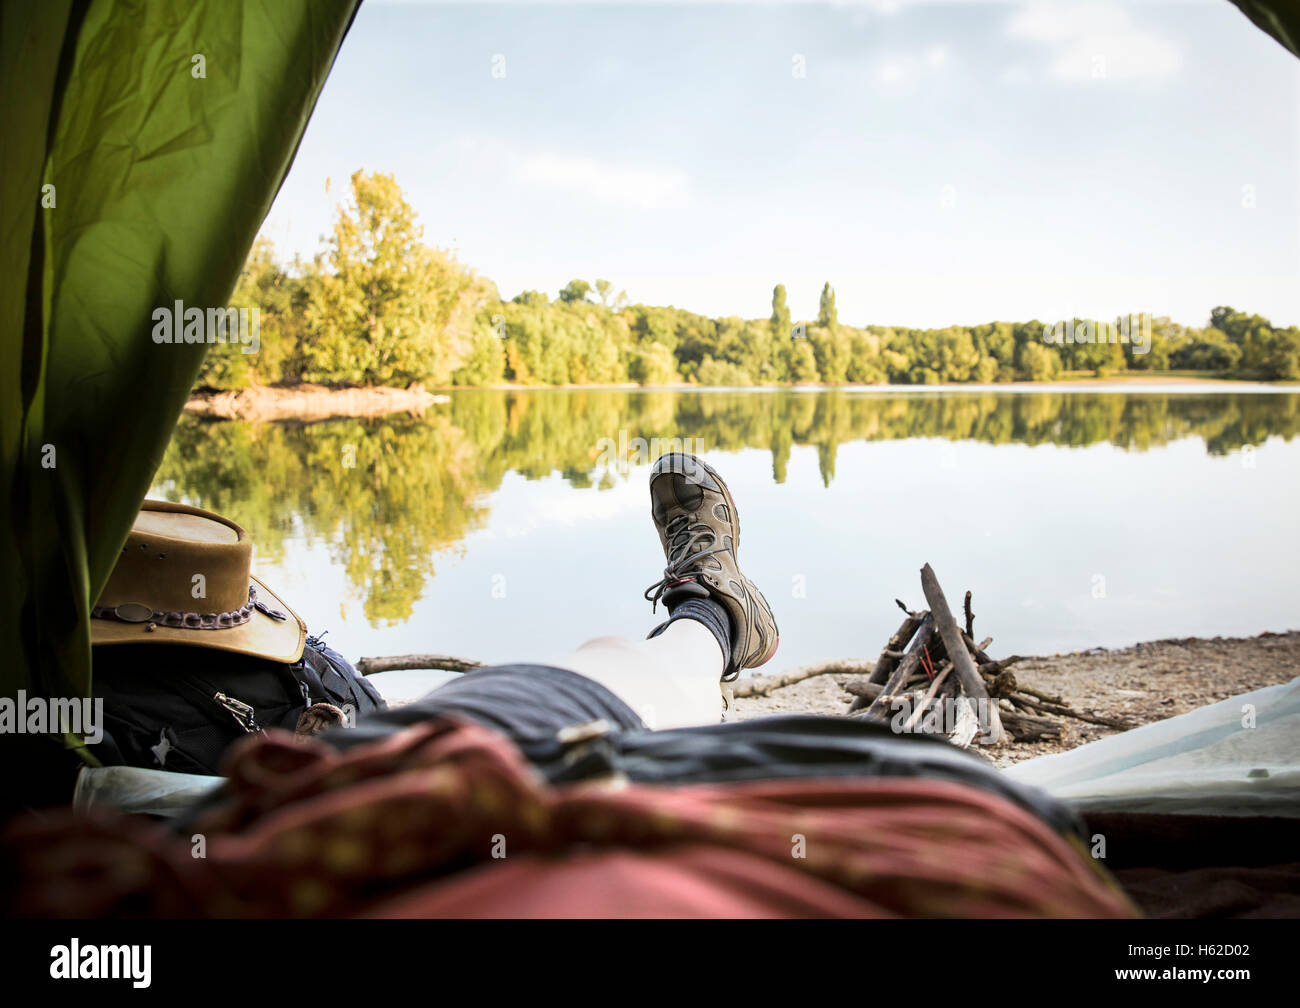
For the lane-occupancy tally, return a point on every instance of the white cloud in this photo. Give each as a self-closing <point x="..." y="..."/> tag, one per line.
<point x="551" y="502"/>
<point x="909" y="67"/>
<point x="892" y="71"/>
<point x="1095" y="41"/>
<point x="640" y="188"/>
<point x="1015" y="74"/>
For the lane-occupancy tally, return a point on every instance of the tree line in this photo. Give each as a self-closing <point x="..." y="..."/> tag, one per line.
<point x="377" y="306"/>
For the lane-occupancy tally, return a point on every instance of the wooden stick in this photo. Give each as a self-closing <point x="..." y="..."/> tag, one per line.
<point x="369" y="666"/>
<point x="860" y="687"/>
<point x="761" y="686"/>
<point x="994" y="667"/>
<point x="939" y="677"/>
<point x="978" y="649"/>
<point x="887" y="661"/>
<point x="1063" y="711"/>
<point x="1028" y="728"/>
<point x="905" y="669"/>
<point x="967" y="674"/>
<point x="970" y="618"/>
<point x="894" y="649"/>
<point x="968" y="723"/>
<point x="1045" y="697"/>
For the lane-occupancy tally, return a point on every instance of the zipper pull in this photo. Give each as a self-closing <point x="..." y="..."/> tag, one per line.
<point x="243" y="714"/>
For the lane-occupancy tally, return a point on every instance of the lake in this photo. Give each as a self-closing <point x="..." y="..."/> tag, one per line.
<point x="505" y="525"/>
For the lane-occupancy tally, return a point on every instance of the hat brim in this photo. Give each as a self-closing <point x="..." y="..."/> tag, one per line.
<point x="261" y="637"/>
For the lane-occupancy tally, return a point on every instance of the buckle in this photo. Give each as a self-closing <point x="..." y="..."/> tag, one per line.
<point x="133" y="612"/>
<point x="585" y="732"/>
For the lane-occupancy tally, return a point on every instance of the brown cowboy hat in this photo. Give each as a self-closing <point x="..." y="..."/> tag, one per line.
<point x="184" y="577"/>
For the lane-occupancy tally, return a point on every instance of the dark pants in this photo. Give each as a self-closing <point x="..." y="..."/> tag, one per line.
<point x="523" y="702"/>
<point x="533" y="705"/>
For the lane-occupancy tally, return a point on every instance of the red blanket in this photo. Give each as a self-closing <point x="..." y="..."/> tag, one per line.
<point x="446" y="818"/>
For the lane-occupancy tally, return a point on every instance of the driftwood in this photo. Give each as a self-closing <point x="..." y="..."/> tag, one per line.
<point x="940" y="678"/>
<point x="889" y="658"/>
<point x="953" y="685"/>
<point x="862" y="688"/>
<point x="899" y="677"/>
<point x="992" y="668"/>
<point x="894" y="648"/>
<point x="1028" y="728"/>
<point x="972" y="685"/>
<point x="764" y="685"/>
<point x="393" y="663"/>
<point x="1060" y="710"/>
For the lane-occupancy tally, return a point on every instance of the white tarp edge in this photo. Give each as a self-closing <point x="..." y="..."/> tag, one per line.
<point x="1240" y="756"/>
<point x="139" y="790"/>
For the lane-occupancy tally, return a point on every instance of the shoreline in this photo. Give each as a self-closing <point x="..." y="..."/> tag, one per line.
<point x="1084" y="381"/>
<point x="307" y="403"/>
<point x="1144" y="683"/>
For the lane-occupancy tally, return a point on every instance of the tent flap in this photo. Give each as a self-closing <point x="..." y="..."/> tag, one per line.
<point x="1279" y="19"/>
<point x="144" y="156"/>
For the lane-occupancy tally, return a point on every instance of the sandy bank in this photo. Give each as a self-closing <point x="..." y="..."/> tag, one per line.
<point x="311" y="402"/>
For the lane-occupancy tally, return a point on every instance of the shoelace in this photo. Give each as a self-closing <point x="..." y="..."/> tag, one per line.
<point x="681" y="538"/>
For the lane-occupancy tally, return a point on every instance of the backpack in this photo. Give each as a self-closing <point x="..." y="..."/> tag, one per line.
<point x="179" y="708"/>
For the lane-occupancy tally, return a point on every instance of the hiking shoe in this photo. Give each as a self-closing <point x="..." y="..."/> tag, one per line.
<point x="700" y="532"/>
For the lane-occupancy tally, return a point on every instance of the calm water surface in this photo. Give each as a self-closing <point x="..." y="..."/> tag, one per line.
<point x="499" y="527"/>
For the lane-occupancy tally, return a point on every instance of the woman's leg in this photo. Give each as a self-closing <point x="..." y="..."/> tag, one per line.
<point x="718" y="624"/>
<point x="671" y="680"/>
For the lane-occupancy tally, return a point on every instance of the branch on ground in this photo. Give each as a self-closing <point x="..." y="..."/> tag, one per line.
<point x="761" y="686"/>
<point x="394" y="663"/>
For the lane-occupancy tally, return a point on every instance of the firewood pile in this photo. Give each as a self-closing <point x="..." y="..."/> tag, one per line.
<point x="933" y="677"/>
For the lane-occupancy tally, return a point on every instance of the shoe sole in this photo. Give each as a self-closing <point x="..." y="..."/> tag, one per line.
<point x="722" y="484"/>
<point x="776" y="642"/>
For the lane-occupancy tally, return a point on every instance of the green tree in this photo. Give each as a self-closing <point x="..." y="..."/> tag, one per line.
<point x="280" y="300"/>
<point x="605" y="291"/>
<point x="781" y="357"/>
<point x="865" y="364"/>
<point x="384" y="308"/>
<point x="780" y="321"/>
<point x="486" y="362"/>
<point x="1262" y="355"/>
<point x="803" y="363"/>
<point x="575" y="290"/>
<point x="1037" y="363"/>
<point x="532" y="298"/>
<point x="831" y="350"/>
<point x="652" y="365"/>
<point x="827" y="316"/>
<point x="1282" y="355"/>
<point x="722" y="374"/>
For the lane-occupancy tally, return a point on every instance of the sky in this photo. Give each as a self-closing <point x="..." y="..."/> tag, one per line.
<point x="937" y="163"/>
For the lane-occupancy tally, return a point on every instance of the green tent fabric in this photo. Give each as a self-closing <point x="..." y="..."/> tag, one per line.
<point x="1279" y="19"/>
<point x="143" y="145"/>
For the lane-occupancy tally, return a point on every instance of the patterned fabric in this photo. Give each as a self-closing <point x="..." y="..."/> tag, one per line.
<point x="446" y="818"/>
